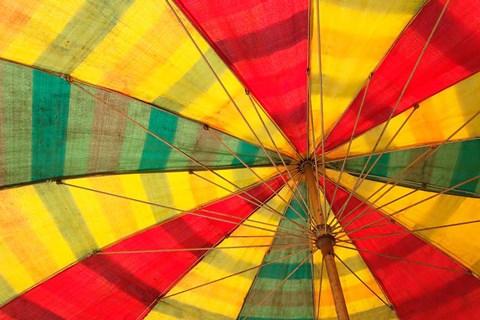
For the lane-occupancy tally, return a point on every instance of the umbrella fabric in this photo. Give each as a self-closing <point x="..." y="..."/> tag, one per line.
<point x="152" y="158"/>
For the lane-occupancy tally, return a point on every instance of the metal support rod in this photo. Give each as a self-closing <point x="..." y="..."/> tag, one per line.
<point x="325" y="246"/>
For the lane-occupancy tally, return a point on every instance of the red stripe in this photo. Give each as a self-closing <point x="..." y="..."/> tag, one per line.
<point x="451" y="56"/>
<point x="265" y="44"/>
<point x="122" y="286"/>
<point x="416" y="292"/>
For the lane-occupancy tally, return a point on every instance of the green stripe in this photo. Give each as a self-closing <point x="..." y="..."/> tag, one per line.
<point x="292" y="300"/>
<point x="60" y="203"/>
<point x="17" y="122"/>
<point x="247" y="152"/>
<point x="50" y="107"/>
<point x="450" y="165"/>
<point x="156" y="153"/>
<point x="90" y="25"/>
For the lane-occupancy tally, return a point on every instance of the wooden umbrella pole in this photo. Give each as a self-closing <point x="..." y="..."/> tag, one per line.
<point x="325" y="242"/>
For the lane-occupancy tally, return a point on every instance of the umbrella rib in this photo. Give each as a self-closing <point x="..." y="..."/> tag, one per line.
<point x="402" y="93"/>
<point x="190" y="212"/>
<point x="290" y="246"/>
<point x="231" y="275"/>
<point x="406" y="260"/>
<point x="412" y="231"/>
<point x="424" y="157"/>
<point x="260" y="204"/>
<point x="228" y="94"/>
<point x="320" y="289"/>
<point x="308" y="98"/>
<point x="306" y="207"/>
<point x="160" y="138"/>
<point x="364" y="283"/>
<point x="387" y="216"/>
<point x="277" y="286"/>
<point x="256" y="174"/>
<point x="320" y="71"/>
<point x="162" y="297"/>
<point x="363" y="176"/>
<point x="350" y="144"/>
<point x="218" y="78"/>
<point x="283" y="246"/>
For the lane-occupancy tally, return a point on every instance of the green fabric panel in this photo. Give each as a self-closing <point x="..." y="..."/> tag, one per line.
<point x="294" y="298"/>
<point x="82" y="34"/>
<point x="157" y="188"/>
<point x="61" y="204"/>
<point x="450" y="165"/>
<point x="50" y="108"/>
<point x="16" y="133"/>
<point x="51" y="129"/>
<point x="79" y="134"/>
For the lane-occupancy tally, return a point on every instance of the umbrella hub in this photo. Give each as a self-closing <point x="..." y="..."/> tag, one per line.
<point x="325" y="240"/>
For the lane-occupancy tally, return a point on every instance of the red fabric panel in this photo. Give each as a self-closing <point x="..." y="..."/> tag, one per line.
<point x="265" y="44"/>
<point x="451" y="56"/>
<point x="122" y="286"/>
<point x="416" y="291"/>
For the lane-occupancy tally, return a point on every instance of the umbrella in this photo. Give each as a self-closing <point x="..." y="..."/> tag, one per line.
<point x="245" y="159"/>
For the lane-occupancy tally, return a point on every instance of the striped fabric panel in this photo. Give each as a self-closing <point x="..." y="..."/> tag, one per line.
<point x="223" y="299"/>
<point x="416" y="291"/>
<point x="64" y="224"/>
<point x="125" y="285"/>
<point x="450" y="57"/>
<point x="266" y="45"/>
<point x="354" y="37"/>
<point x="455" y="108"/>
<point x="52" y="129"/>
<point x="450" y="165"/>
<point x="136" y="47"/>
<point x="294" y="298"/>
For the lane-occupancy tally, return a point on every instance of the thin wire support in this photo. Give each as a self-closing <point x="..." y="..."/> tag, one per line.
<point x="363" y="282"/>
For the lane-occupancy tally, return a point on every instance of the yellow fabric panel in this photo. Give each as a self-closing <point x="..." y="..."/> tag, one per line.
<point x="361" y="302"/>
<point x="223" y="299"/>
<point x="437" y="118"/>
<point x="354" y="38"/>
<point x="29" y="240"/>
<point x="462" y="243"/>
<point x="46" y="20"/>
<point x="25" y="215"/>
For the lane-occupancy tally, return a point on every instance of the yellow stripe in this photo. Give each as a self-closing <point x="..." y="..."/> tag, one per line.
<point x="31" y="246"/>
<point x="354" y="38"/>
<point x="462" y="242"/>
<point x="435" y="120"/>
<point x="43" y="26"/>
<point x="224" y="298"/>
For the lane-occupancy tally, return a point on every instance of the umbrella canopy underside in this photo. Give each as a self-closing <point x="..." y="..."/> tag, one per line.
<point x="153" y="157"/>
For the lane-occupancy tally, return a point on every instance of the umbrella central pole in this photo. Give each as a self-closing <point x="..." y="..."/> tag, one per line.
<point x="325" y="241"/>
